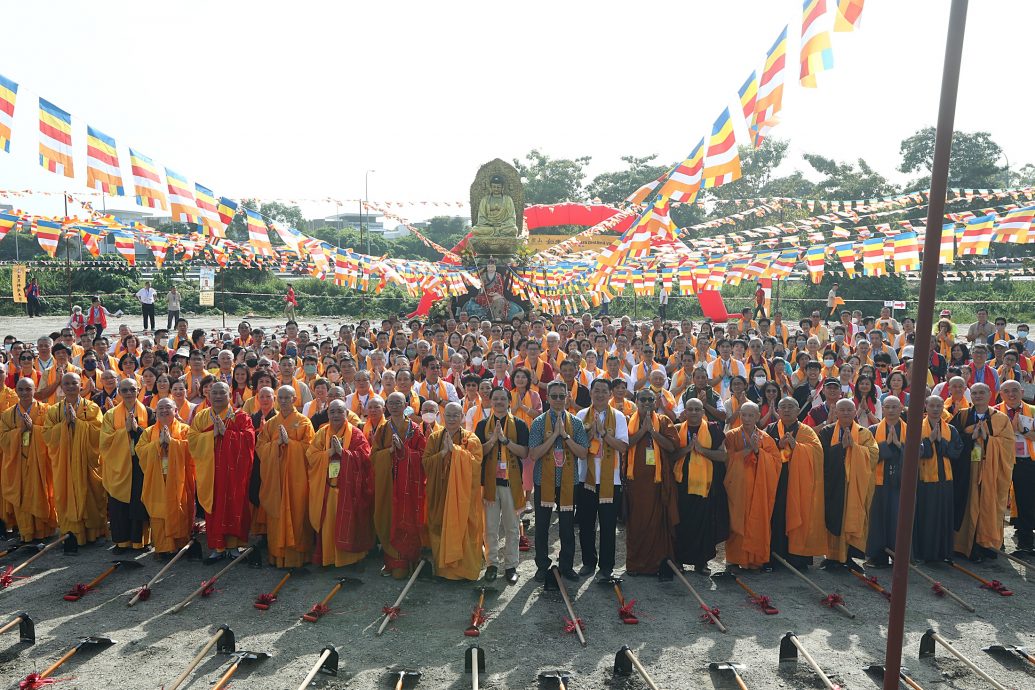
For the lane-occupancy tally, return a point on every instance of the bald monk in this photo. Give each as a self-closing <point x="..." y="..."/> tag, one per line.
<point x="456" y="520"/>
<point x="397" y="454"/>
<point x="849" y="463"/>
<point x="284" y="493"/>
<point x="26" y="476"/>
<point x="940" y="446"/>
<point x="222" y="443"/>
<point x="72" y="431"/>
<point x="169" y="488"/>
<point x="649" y="490"/>
<point x="798" y="529"/>
<point x="122" y="427"/>
<point x="752" y="474"/>
<point x="982" y="486"/>
<point x="890" y="435"/>
<point x="341" y="491"/>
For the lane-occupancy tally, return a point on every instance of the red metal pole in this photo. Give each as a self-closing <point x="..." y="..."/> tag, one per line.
<point x="922" y="346"/>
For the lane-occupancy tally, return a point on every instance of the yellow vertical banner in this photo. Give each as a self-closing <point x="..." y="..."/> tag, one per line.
<point x="18" y="280"/>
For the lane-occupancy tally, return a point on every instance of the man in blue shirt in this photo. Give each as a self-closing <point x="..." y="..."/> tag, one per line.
<point x="556" y="441"/>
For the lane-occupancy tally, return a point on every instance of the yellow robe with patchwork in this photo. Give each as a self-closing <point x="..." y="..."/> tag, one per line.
<point x="284" y="492"/>
<point x="456" y="518"/>
<point x="169" y="486"/>
<point x="79" y="497"/>
<point x="26" y="477"/>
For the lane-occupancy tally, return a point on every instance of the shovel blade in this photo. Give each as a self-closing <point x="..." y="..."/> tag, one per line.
<point x="474" y="652"/>
<point x="717" y="666"/>
<point x="97" y="641"/>
<point x="330" y="664"/>
<point x="927" y="644"/>
<point x="227" y="643"/>
<point x="788" y="651"/>
<point x="623" y="664"/>
<point x="127" y="564"/>
<point x="26" y="629"/>
<point x="555" y="679"/>
<point x="70" y="544"/>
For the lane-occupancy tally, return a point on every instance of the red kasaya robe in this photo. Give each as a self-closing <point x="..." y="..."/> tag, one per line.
<point x="223" y="472"/>
<point x="341" y="507"/>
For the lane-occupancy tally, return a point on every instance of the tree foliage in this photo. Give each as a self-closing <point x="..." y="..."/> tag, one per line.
<point x="614" y="187"/>
<point x="551" y="180"/>
<point x="848" y="180"/>
<point x="974" y="163"/>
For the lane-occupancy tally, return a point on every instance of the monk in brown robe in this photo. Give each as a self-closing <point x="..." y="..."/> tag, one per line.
<point x="849" y="466"/>
<point x="752" y="474"/>
<point x="798" y="531"/>
<point x="341" y="491"/>
<point x="983" y="486"/>
<point x="649" y="490"/>
<point x="169" y="487"/>
<point x="72" y="431"/>
<point x="456" y="519"/>
<point x="284" y="493"/>
<point x="122" y="427"/>
<point x="26" y="476"/>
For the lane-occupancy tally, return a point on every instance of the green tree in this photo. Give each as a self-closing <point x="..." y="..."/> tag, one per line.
<point x="549" y="181"/>
<point x="756" y="170"/>
<point x="289" y="215"/>
<point x="848" y="180"/>
<point x="974" y="163"/>
<point x="614" y="187"/>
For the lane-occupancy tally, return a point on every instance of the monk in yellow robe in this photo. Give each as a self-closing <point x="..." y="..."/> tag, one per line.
<point x="284" y="493"/>
<point x="122" y="427"/>
<point x="8" y="397"/>
<point x="341" y="491"/>
<point x="850" y="457"/>
<point x="169" y="486"/>
<point x="26" y="475"/>
<point x="753" y="468"/>
<point x="72" y="431"/>
<point x="456" y="520"/>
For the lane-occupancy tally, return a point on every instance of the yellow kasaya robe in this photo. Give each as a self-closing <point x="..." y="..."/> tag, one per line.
<point x="26" y="476"/>
<point x="847" y="508"/>
<point x="116" y="452"/>
<point x="751" y="481"/>
<point x="8" y="397"/>
<point x="74" y="456"/>
<point x="456" y="519"/>
<point x="324" y="490"/>
<point x="991" y="477"/>
<point x="52" y="377"/>
<point x="169" y="486"/>
<point x="284" y="492"/>
<point x="804" y="529"/>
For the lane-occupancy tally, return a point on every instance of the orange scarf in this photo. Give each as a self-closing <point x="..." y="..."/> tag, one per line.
<point x="634" y="427"/>
<point x="699" y="480"/>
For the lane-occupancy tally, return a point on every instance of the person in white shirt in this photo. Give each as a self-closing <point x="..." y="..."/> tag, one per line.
<point x="173" y="306"/>
<point x="147" y="296"/>
<point x="591" y="506"/>
<point x="663" y="302"/>
<point x="434" y="388"/>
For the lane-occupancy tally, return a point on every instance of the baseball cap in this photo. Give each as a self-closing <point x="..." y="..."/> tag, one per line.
<point x="907" y="352"/>
<point x="831" y="381"/>
<point x="945" y="312"/>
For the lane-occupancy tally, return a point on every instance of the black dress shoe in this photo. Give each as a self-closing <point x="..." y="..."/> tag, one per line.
<point x="119" y="550"/>
<point x="511" y="576"/>
<point x="586" y="571"/>
<point x="215" y="557"/>
<point x="490" y="573"/>
<point x="570" y="575"/>
<point x="540" y="575"/>
<point x="605" y="579"/>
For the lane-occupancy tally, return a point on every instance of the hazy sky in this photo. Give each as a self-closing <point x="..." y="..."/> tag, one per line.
<point x="295" y="100"/>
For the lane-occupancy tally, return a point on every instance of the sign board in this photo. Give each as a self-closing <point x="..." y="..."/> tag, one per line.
<point x="207" y="298"/>
<point x="539" y="242"/>
<point x="894" y="304"/>
<point x="18" y="280"/>
<point x="207" y="286"/>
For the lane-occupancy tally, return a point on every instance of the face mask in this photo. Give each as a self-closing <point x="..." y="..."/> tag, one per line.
<point x="309" y="369"/>
<point x="760" y="381"/>
<point x="801" y="344"/>
<point x="251" y="363"/>
<point x="7" y="347"/>
<point x="1022" y="334"/>
<point x="476" y="361"/>
<point x="90" y="366"/>
<point x="162" y="342"/>
<point x="855" y="320"/>
<point x="828" y="362"/>
<point x="291" y="352"/>
<point x="429" y="417"/>
<point x="838" y="338"/>
<point x="364" y="353"/>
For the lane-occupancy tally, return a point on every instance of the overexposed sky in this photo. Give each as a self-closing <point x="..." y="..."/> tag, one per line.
<point x="293" y="100"/>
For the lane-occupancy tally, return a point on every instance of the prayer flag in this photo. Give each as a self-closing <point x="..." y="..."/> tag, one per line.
<point x="1014" y="227"/>
<point x="208" y="209"/>
<point x="849" y="12"/>
<point x="227" y="210"/>
<point x="684" y="181"/>
<point x="8" y="93"/>
<point x="102" y="163"/>
<point x="7" y="222"/>
<point x="91" y="238"/>
<point x="641" y="194"/>
<point x="48" y="233"/>
<point x="181" y="198"/>
<point x="873" y="257"/>
<point x="146" y="180"/>
<point x="977" y="236"/>
<point x="946" y="250"/>
<point x="816" y="53"/>
<point x="55" y="139"/>
<point x="815" y="258"/>
<point x="907" y="252"/>
<point x="770" y="89"/>
<point x="159" y="245"/>
<point x="748" y="100"/>
<point x="125" y="246"/>
<point x="722" y="164"/>
<point x="258" y="234"/>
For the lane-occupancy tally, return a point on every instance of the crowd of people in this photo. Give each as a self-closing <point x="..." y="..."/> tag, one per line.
<point x="458" y="440"/>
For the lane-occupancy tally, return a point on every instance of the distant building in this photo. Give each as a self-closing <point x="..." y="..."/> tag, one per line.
<point x="373" y="221"/>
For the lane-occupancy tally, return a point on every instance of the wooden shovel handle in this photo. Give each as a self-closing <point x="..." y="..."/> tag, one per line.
<point x="330" y="595"/>
<point x="179" y="554"/>
<point x="618" y="593"/>
<point x="10" y="624"/>
<point x="280" y="584"/>
<point x="225" y="680"/>
<point x="243" y="555"/>
<point x="197" y="659"/>
<point x="100" y="578"/>
<point x="314" y="670"/>
<point x="49" y="547"/>
<point x="60" y="662"/>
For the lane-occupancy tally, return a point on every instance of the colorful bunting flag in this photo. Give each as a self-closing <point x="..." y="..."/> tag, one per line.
<point x="849" y="12"/>
<point x="102" y="163"/>
<point x="907" y="252"/>
<point x="748" y="102"/>
<point x="181" y="198"/>
<point x="55" y="139"/>
<point x="770" y="89"/>
<point x="7" y="223"/>
<point x="91" y="238"/>
<point x="815" y="260"/>
<point x="8" y="94"/>
<point x="227" y="210"/>
<point x="159" y="245"/>
<point x="146" y="180"/>
<point x="816" y="53"/>
<point x="684" y="180"/>
<point x="977" y="236"/>
<point x="258" y="234"/>
<point x="125" y="246"/>
<point x="47" y="234"/>
<point x="722" y="164"/>
<point x="1015" y="226"/>
<point x="641" y="194"/>
<point x="208" y="209"/>
<point x="873" y="257"/>
<point x="946" y="251"/>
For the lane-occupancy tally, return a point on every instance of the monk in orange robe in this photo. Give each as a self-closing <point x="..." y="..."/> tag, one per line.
<point x="169" y="488"/>
<point x="341" y="490"/>
<point x="122" y="427"/>
<point x="221" y="442"/>
<point x="284" y="492"/>
<point x="753" y="468"/>
<point x="72" y="431"/>
<point x="26" y="476"/>
<point x="456" y="519"/>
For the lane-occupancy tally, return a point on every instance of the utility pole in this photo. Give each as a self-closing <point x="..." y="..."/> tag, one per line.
<point x="366" y="202"/>
<point x="68" y="260"/>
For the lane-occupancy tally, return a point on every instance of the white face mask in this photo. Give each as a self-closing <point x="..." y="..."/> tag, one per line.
<point x="429" y="417"/>
<point x="828" y="362"/>
<point x="759" y="381"/>
<point x="476" y="361"/>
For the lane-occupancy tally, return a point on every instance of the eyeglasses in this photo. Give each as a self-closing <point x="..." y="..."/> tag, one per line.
<point x="558" y="397"/>
<point x="647" y="399"/>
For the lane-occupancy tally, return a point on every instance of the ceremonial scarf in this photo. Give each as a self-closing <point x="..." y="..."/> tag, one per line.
<point x="490" y="469"/>
<point x="1026" y="410"/>
<point x="634" y="427"/>
<point x="699" y="479"/>
<point x="357" y="406"/>
<point x="548" y="485"/>
<point x="525" y="400"/>
<point x="625" y="406"/>
<point x="785" y="453"/>
<point x="881" y="436"/>
<point x="668" y="402"/>
<point x="608" y="456"/>
<point x="586" y="377"/>
<point x="929" y="469"/>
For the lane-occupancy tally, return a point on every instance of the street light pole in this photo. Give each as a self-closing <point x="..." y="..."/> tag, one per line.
<point x="366" y="200"/>
<point x="1007" y="169"/>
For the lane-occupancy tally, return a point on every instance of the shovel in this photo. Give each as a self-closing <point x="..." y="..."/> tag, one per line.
<point x="11" y="572"/>
<point x="710" y="614"/>
<point x="478" y="616"/>
<point x="575" y="623"/>
<point x="555" y="679"/>
<point x="327" y="663"/>
<point x="625" y="661"/>
<point x="789" y="648"/>
<point x="878" y="671"/>
<point x="927" y="644"/>
<point x="239" y="658"/>
<point x="833" y="601"/>
<point x="474" y="663"/>
<point x="1008" y="650"/>
<point x="404" y="677"/>
<point x="207" y="584"/>
<point x="391" y="612"/>
<point x="26" y="628"/>
<point x="32" y="680"/>
<point x="79" y="590"/>
<point x="625" y="612"/>
<point x="318" y="610"/>
<point x="227" y="642"/>
<point x="144" y="593"/>
<point x="731" y="668"/>
<point x="265" y="600"/>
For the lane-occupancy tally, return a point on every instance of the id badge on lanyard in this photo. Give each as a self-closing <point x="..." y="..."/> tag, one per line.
<point x="649" y="456"/>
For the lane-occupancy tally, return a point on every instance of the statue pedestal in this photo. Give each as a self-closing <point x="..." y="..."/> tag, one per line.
<point x="494" y="246"/>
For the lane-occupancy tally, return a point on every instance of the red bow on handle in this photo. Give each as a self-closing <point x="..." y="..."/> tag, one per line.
<point x="6" y="578"/>
<point x="710" y="615"/>
<point x="766" y="604"/>
<point x="266" y="598"/>
<point x="938" y="589"/>
<point x="392" y="612"/>
<point x="832" y="600"/>
<point x="478" y="616"/>
<point x="33" y="681"/>
<point x="626" y="613"/>
<point x="78" y="591"/>
<point x="571" y="625"/>
<point x="318" y="610"/>
<point x="997" y="587"/>
<point x="208" y="588"/>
